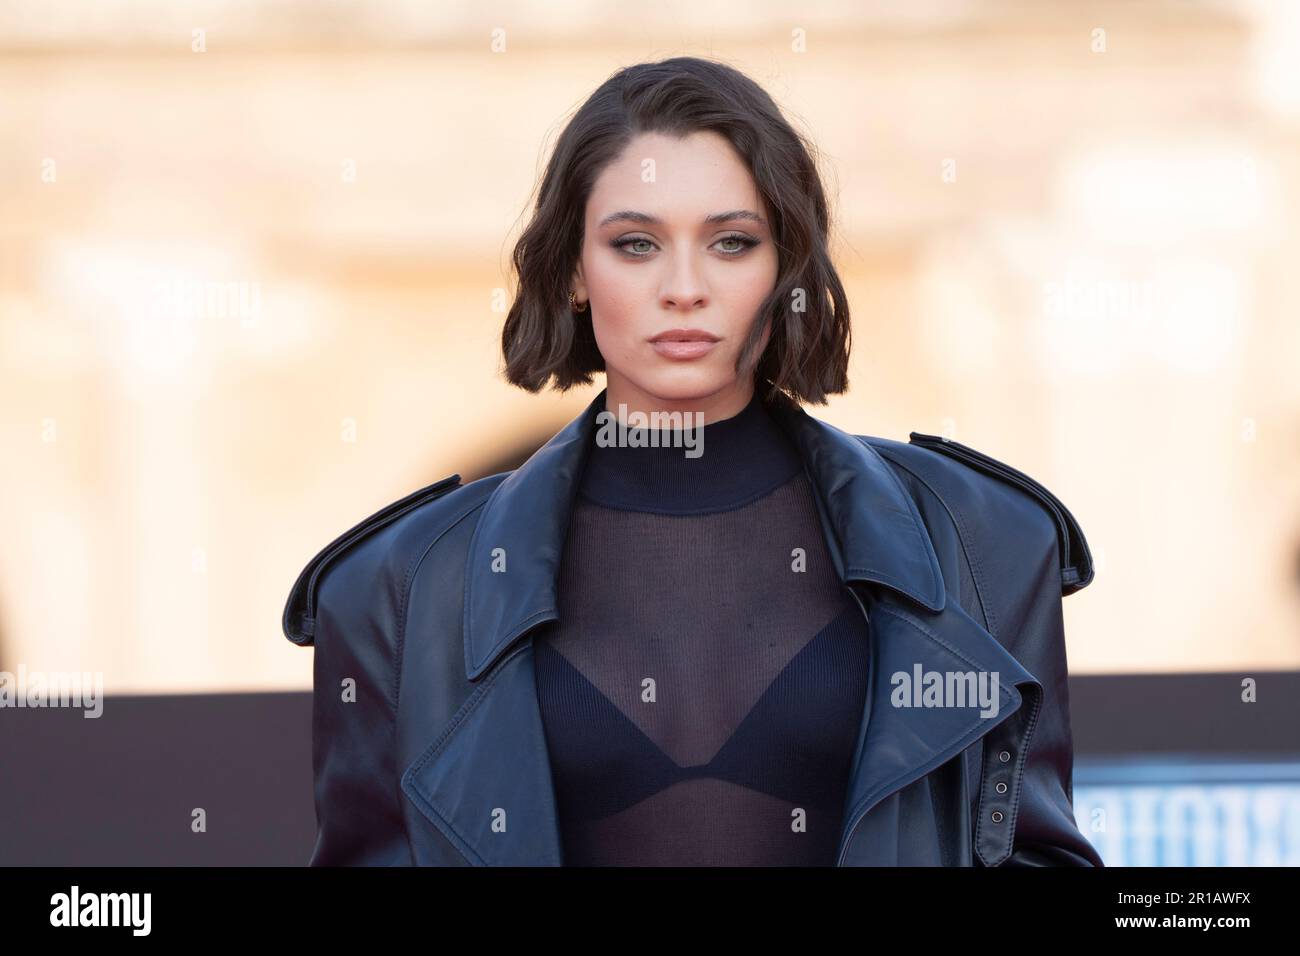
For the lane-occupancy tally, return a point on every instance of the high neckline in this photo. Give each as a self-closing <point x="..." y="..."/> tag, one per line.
<point x="738" y="460"/>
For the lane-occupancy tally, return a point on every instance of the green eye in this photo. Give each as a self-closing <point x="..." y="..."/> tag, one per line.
<point x="622" y="246"/>
<point x="746" y="243"/>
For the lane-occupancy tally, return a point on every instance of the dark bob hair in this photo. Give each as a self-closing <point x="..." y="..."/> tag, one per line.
<point x="807" y="354"/>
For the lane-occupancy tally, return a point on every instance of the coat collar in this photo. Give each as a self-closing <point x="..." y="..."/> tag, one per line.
<point x="877" y="532"/>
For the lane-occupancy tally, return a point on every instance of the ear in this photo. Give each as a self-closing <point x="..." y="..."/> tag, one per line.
<point x="578" y="285"/>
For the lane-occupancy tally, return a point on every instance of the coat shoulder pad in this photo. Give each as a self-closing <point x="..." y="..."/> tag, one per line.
<point x="1076" y="559"/>
<point x="299" y="621"/>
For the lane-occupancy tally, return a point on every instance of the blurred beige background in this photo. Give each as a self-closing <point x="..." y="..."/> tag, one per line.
<point x="253" y="269"/>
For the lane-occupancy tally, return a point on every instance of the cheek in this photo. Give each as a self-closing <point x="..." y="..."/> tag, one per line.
<point x="615" y="285"/>
<point x="755" y="275"/>
<point x="617" y="302"/>
<point x="749" y="288"/>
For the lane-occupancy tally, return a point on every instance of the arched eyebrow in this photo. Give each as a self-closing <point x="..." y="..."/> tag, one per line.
<point x="645" y="219"/>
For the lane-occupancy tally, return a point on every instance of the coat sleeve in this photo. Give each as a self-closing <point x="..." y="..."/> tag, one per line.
<point x="1026" y="552"/>
<point x="347" y="602"/>
<point x="355" y="783"/>
<point x="358" y="820"/>
<point x="1033" y="629"/>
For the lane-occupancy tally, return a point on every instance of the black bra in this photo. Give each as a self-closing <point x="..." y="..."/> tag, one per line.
<point x="796" y="743"/>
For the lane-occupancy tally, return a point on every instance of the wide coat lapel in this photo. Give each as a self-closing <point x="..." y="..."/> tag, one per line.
<point x="485" y="780"/>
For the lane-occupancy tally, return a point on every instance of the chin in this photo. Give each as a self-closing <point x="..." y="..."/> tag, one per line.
<point x="682" y="385"/>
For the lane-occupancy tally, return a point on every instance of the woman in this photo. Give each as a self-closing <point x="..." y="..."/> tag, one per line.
<point x="699" y="626"/>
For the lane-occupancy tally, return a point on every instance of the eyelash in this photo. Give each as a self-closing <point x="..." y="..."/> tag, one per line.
<point x="749" y="243"/>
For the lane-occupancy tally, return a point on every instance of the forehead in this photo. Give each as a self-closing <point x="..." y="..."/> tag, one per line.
<point x="671" y="177"/>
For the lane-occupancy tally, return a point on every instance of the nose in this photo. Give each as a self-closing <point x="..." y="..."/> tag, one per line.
<point x="684" y="286"/>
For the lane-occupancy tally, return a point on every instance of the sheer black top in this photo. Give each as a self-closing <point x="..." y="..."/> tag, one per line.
<point x="703" y="687"/>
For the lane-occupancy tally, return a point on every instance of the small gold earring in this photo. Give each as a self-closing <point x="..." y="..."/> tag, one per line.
<point x="573" y="303"/>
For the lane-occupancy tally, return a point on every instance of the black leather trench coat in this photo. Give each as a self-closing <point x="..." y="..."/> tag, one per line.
<point x="428" y="743"/>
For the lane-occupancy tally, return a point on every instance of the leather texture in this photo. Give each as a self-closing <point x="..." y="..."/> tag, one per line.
<point x="427" y="739"/>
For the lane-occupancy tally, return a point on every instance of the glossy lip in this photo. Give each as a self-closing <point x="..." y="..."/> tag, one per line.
<point x="673" y="349"/>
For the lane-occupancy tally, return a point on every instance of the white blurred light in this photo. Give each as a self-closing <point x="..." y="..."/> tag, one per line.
<point x="154" y="309"/>
<point x="1184" y="313"/>
<point x="1170" y="194"/>
<point x="1275" y="54"/>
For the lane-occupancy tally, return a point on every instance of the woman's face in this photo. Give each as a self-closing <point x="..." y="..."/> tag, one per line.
<point x="676" y="237"/>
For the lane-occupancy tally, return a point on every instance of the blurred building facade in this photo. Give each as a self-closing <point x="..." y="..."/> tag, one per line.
<point x="253" y="270"/>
